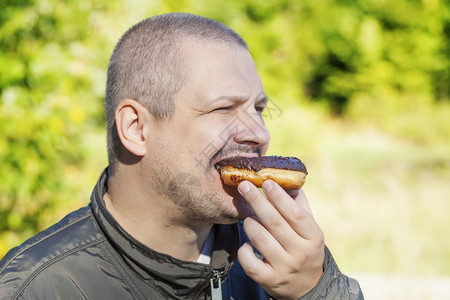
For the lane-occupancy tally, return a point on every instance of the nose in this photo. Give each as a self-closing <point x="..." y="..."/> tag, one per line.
<point x="251" y="129"/>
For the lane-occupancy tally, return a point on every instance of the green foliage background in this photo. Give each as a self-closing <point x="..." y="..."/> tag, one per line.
<point x="362" y="90"/>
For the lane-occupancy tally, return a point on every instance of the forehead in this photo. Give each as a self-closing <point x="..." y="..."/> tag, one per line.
<point x="215" y="69"/>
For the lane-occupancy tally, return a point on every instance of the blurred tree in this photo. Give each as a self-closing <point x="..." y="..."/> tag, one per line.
<point x="47" y="89"/>
<point x="361" y="47"/>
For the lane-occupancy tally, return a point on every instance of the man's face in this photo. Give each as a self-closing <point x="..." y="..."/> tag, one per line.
<point x="217" y="115"/>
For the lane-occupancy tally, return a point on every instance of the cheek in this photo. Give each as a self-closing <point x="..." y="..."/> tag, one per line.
<point x="203" y="149"/>
<point x="209" y="138"/>
<point x="224" y="127"/>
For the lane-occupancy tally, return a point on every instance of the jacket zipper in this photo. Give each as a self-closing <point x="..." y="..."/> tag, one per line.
<point x="216" y="285"/>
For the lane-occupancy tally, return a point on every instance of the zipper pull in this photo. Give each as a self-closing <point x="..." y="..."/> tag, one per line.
<point x="216" y="286"/>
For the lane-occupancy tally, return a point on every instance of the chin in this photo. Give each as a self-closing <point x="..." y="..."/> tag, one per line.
<point x="233" y="207"/>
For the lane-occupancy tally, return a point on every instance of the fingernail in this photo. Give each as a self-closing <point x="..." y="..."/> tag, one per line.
<point x="268" y="185"/>
<point x="244" y="187"/>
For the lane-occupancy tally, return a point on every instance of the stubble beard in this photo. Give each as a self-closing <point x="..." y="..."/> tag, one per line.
<point x="195" y="201"/>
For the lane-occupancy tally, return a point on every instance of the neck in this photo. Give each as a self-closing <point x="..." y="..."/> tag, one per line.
<point x="150" y="219"/>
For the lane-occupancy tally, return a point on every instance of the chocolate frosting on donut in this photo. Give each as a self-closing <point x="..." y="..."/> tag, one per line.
<point x="258" y="163"/>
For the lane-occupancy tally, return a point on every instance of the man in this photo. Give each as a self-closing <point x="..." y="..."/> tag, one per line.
<point x="182" y="94"/>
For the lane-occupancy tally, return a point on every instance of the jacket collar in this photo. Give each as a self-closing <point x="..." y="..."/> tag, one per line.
<point x="168" y="273"/>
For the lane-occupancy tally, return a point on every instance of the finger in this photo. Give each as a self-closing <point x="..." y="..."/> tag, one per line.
<point x="296" y="213"/>
<point x="299" y="196"/>
<point x="303" y="201"/>
<point x="268" y="215"/>
<point x="255" y="268"/>
<point x="264" y="241"/>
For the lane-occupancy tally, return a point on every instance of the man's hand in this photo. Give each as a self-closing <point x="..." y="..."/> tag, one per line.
<point x="286" y="234"/>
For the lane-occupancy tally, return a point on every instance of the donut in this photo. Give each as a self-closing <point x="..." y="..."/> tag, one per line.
<point x="288" y="172"/>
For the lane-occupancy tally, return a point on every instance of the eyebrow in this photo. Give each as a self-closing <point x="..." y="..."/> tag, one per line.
<point x="240" y="98"/>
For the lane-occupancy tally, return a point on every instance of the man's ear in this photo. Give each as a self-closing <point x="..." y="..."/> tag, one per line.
<point x="131" y="122"/>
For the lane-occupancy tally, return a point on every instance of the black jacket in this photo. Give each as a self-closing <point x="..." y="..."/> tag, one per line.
<point x="88" y="255"/>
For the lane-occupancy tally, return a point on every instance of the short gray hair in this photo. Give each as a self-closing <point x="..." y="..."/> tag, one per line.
<point x="146" y="65"/>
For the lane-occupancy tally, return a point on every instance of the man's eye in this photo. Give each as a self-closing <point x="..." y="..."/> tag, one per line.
<point x="225" y="108"/>
<point x="260" y="109"/>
